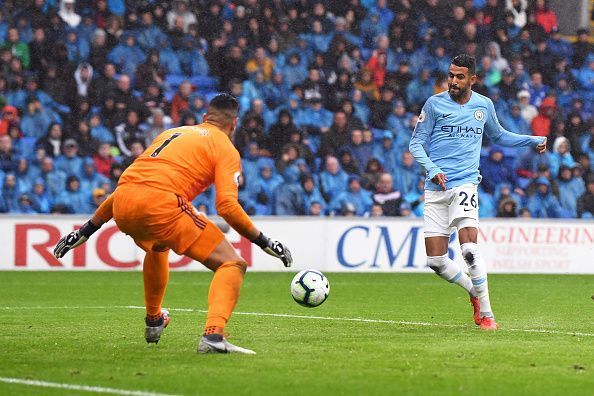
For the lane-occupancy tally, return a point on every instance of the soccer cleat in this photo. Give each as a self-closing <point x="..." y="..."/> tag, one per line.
<point x="488" y="323"/>
<point x="216" y="343"/>
<point x="476" y="306"/>
<point x="153" y="329"/>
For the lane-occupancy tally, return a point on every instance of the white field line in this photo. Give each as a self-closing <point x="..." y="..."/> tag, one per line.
<point x="82" y="388"/>
<point x="311" y="317"/>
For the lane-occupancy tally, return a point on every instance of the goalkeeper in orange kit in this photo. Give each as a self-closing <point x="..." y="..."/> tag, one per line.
<point x="152" y="204"/>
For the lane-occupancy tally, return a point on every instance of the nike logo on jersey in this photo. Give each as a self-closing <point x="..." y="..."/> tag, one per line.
<point x="468" y="210"/>
<point x="446" y="115"/>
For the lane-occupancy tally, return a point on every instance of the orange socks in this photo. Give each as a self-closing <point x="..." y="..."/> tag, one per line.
<point x="223" y="295"/>
<point x="156" y="275"/>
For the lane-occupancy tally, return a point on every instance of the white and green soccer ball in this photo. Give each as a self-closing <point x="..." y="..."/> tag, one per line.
<point x="310" y="288"/>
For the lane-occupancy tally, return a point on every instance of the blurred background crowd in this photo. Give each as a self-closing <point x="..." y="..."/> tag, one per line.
<point x="329" y="93"/>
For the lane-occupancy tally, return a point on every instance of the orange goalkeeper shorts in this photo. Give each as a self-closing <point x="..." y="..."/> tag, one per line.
<point x="156" y="218"/>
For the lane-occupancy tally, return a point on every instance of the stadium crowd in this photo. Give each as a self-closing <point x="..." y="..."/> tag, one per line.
<point x="329" y="94"/>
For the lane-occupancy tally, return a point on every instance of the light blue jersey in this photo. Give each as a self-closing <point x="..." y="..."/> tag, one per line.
<point x="453" y="133"/>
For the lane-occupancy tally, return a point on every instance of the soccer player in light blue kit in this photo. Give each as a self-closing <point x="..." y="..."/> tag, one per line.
<point x="450" y="128"/>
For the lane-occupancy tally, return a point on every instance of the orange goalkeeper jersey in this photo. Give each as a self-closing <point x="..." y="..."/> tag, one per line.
<point x="186" y="161"/>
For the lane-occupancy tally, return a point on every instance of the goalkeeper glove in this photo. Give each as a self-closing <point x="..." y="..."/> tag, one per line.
<point x="275" y="249"/>
<point x="74" y="239"/>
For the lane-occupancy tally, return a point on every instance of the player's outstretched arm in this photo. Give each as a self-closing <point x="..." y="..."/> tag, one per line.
<point x="76" y="238"/>
<point x="227" y="172"/>
<point x="499" y="135"/>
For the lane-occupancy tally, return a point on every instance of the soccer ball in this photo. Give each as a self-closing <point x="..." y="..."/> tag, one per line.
<point x="310" y="288"/>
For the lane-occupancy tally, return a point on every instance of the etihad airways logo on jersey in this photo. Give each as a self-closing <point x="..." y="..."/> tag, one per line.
<point x="460" y="131"/>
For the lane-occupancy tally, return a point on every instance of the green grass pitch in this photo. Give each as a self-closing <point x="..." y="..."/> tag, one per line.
<point x="76" y="328"/>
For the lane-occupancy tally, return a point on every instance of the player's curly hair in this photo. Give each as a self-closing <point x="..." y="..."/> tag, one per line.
<point x="465" y="60"/>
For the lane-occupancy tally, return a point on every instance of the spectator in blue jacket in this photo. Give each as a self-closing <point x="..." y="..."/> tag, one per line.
<point x="148" y="34"/>
<point x="558" y="46"/>
<point x="288" y="198"/>
<point x="127" y="56"/>
<point x="10" y="192"/>
<point x="78" y="48"/>
<point x="295" y="70"/>
<point x="54" y="179"/>
<point x="264" y="188"/>
<point x="24" y="205"/>
<point x="317" y="39"/>
<point x="69" y="162"/>
<point x="372" y="27"/>
<point x="333" y="180"/>
<point x="3" y="206"/>
<point x="89" y="178"/>
<point x="399" y="120"/>
<point x="26" y="175"/>
<point x="387" y="152"/>
<point x="570" y="189"/>
<point x="361" y="151"/>
<point x="315" y="115"/>
<point x="419" y="89"/>
<point x="100" y="131"/>
<point x="168" y="58"/>
<point x="537" y="89"/>
<point x="275" y="91"/>
<point x="496" y="171"/>
<point x="37" y="119"/>
<point x="488" y="206"/>
<point x="42" y="202"/>
<point x="76" y="200"/>
<point x="406" y="174"/>
<point x="355" y="195"/>
<point x="561" y="155"/>
<point x="514" y="121"/>
<point x="311" y="194"/>
<point x="585" y="78"/>
<point x="192" y="59"/>
<point x="543" y="203"/>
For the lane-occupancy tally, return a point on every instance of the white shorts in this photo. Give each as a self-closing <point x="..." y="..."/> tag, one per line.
<point x="453" y="208"/>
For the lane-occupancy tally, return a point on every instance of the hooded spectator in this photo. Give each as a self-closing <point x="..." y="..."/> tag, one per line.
<point x="40" y="198"/>
<point x="543" y="203"/>
<point x="263" y="190"/>
<point x="528" y="111"/>
<point x="311" y="195"/>
<point x="68" y="13"/>
<point x="541" y="124"/>
<point x="561" y="155"/>
<point x="76" y="200"/>
<point x="570" y="189"/>
<point x="127" y="56"/>
<point x="495" y="170"/>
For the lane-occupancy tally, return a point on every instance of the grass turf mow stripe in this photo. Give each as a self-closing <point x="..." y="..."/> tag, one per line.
<point x="339" y="319"/>
<point x="82" y="388"/>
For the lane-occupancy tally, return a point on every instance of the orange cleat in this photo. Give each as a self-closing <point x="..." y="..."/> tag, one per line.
<point x="476" y="306"/>
<point x="488" y="323"/>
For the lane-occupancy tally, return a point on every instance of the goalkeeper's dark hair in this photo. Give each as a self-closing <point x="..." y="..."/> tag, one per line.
<point x="465" y="60"/>
<point x="224" y="102"/>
